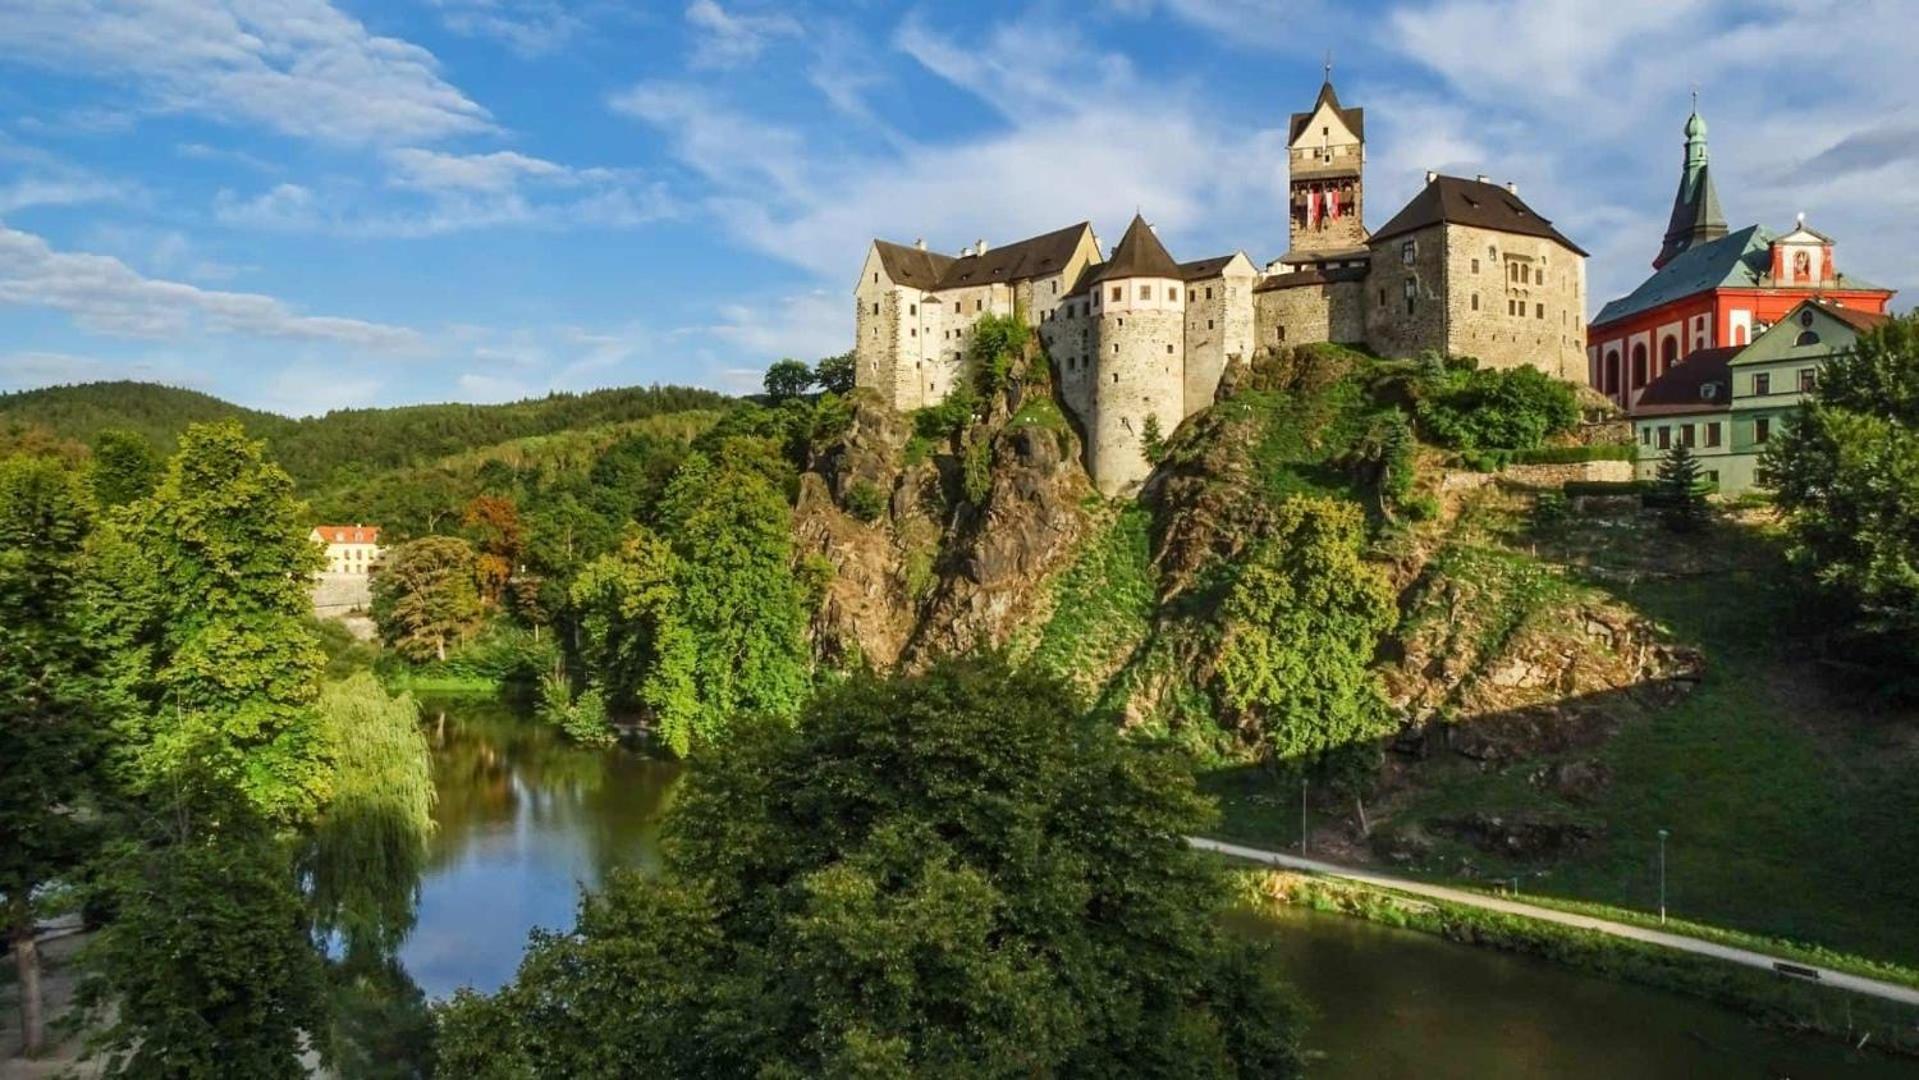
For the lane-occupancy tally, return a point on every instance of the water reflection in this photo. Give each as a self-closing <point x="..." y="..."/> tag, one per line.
<point x="524" y="820"/>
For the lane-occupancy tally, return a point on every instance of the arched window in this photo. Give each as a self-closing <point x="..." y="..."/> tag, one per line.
<point x="1612" y="372"/>
<point x="1739" y="335"/>
<point x="1668" y="354"/>
<point x="1807" y="337"/>
<point x="1638" y="365"/>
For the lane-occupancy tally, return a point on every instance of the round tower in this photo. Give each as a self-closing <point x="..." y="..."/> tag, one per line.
<point x="1139" y="330"/>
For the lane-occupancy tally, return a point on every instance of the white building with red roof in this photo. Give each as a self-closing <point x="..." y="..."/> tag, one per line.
<point x="350" y="549"/>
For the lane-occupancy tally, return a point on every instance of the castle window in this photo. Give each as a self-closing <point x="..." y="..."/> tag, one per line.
<point x="1209" y="293"/>
<point x="956" y="307"/>
<point x="876" y="279"/>
<point x="1685" y="436"/>
<point x="1665" y="438"/>
<point x="1115" y="353"/>
<point x="876" y="307"/>
<point x="1668" y="353"/>
<point x="1382" y="298"/>
<point x="1056" y="288"/>
<point x="1145" y="292"/>
<point x="1116" y="374"/>
<point x="913" y="332"/>
<point x="1406" y="252"/>
<point x="1712" y="433"/>
<point x="1539" y="276"/>
<point x="1639" y="374"/>
<point x="1411" y="290"/>
<point x="912" y="309"/>
<point x="979" y="305"/>
<point x="1475" y="266"/>
<point x="1192" y="295"/>
<point x="1475" y="301"/>
<point x="1645" y="436"/>
<point x="1117" y="292"/>
<point x="1279" y="333"/>
<point x="1808" y="379"/>
<point x="1169" y="350"/>
<point x="1209" y="324"/>
<point x="1762" y="383"/>
<point x="1539" y="311"/>
<point x="1762" y="429"/>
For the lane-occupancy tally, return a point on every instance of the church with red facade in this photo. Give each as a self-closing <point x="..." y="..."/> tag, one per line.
<point x="1712" y="287"/>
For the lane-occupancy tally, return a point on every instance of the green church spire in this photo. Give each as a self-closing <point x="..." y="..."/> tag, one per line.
<point x="1696" y="217"/>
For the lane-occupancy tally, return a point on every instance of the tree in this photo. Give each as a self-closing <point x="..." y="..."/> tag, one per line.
<point x="998" y="340"/>
<point x="425" y="598"/>
<point x="835" y="374"/>
<point x="125" y="467"/>
<point x="496" y="521"/>
<point x="1845" y="474"/>
<point x="1682" y="505"/>
<point x="632" y="639"/>
<point x="1152" y="441"/>
<point x="1301" y="623"/>
<point x="1471" y="408"/>
<point x="788" y="379"/>
<point x="949" y="874"/>
<point x="204" y="585"/>
<point x="51" y="718"/>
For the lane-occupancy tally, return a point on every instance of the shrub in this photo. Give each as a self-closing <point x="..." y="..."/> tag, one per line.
<point x="1420" y="508"/>
<point x="978" y="476"/>
<point x="947" y="419"/>
<point x="1574" y="455"/>
<point x="1516" y="409"/>
<point x="865" y="501"/>
<point x="997" y="341"/>
<point x="1550" y="509"/>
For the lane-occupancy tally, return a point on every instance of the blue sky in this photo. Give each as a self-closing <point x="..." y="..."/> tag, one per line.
<point x="303" y="205"/>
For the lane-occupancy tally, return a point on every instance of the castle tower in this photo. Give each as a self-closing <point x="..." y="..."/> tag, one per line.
<point x="1696" y="217"/>
<point x="1326" y="161"/>
<point x="1139" y="330"/>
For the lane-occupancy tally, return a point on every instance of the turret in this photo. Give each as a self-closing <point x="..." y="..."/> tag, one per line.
<point x="1139" y="309"/>
<point x="1696" y="217"/>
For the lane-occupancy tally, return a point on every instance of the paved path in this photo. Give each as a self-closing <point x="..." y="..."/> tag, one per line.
<point x="1879" y="988"/>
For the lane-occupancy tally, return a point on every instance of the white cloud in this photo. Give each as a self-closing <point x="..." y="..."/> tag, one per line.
<point x="805" y="326"/>
<point x="500" y="171"/>
<point x="722" y="143"/>
<point x="300" y="67"/>
<point x="724" y="39"/>
<point x="105" y="295"/>
<point x="528" y="27"/>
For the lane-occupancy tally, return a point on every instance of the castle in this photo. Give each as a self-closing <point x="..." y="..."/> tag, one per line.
<point x="1140" y="340"/>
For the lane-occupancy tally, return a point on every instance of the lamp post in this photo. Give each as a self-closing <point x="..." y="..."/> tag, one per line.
<point x="1662" y="877"/>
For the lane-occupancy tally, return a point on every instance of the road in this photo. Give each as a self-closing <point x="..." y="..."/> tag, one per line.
<point x="1878" y="988"/>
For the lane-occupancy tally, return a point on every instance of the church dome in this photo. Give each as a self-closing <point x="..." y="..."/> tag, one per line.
<point x="1695" y="126"/>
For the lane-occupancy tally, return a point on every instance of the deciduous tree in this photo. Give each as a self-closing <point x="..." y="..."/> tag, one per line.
<point x="788" y="379"/>
<point x="425" y="598"/>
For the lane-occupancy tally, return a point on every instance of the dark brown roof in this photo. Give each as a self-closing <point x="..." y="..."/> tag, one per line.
<point x="1033" y="257"/>
<point x="1200" y="269"/>
<point x="1139" y="254"/>
<point x="1325" y="255"/>
<point x="1455" y="200"/>
<point x="1315" y="276"/>
<point x="1678" y="390"/>
<point x="1861" y="321"/>
<point x="1355" y="119"/>
<point x="911" y="265"/>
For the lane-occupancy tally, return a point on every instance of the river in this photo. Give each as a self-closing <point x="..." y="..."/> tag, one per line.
<point x="524" y="819"/>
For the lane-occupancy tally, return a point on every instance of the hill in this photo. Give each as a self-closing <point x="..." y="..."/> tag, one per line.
<point x="347" y="445"/>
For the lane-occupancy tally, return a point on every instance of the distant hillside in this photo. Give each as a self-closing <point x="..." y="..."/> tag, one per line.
<point x="340" y="447"/>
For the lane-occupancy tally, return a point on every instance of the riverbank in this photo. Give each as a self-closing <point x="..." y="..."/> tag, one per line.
<point x="1777" y="1001"/>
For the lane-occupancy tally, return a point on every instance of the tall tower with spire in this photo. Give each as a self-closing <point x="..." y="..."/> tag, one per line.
<point x="1696" y="217"/>
<point x="1326" y="161"/>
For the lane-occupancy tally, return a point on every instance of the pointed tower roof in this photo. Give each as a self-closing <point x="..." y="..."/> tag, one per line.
<point x="1355" y="119"/>
<point x="1696" y="217"/>
<point x="1139" y="254"/>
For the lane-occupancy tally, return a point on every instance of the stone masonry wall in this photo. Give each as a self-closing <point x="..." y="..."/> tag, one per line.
<point x="1302" y="314"/>
<point x="1516" y="300"/>
<point x="1411" y="265"/>
<point x="1219" y="326"/>
<point x="1139" y="373"/>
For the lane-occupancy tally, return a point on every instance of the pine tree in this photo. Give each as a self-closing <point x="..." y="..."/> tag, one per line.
<point x="1682" y="503"/>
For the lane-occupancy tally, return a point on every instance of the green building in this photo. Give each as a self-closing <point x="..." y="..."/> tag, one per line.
<point x="1727" y="403"/>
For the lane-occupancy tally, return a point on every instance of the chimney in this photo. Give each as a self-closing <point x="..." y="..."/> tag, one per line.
<point x="1481" y="178"/>
<point x="1512" y="187"/>
<point x="1431" y="176"/>
<point x="980" y="245"/>
<point x="920" y="243"/>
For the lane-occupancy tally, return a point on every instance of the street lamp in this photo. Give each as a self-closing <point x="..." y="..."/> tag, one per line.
<point x="1662" y="877"/>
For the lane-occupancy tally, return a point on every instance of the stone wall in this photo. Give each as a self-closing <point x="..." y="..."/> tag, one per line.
<point x="1311" y="312"/>
<point x="1516" y="300"/>
<point x="1139" y="372"/>
<point x="1405" y="293"/>
<point x="1219" y="327"/>
<point x="877" y="357"/>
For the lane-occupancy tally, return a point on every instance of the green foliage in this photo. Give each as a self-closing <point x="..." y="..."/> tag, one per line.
<point x="1515" y="409"/>
<point x="582" y="719"/>
<point x="364" y="857"/>
<point x="1103" y="605"/>
<point x="948" y="419"/>
<point x="206" y="969"/>
<point x="52" y="715"/>
<point x="426" y="598"/>
<point x="1845" y="474"/>
<point x="1384" y="454"/>
<point x="865" y="501"/>
<point x="1420" y="508"/>
<point x="998" y="341"/>
<point x="976" y="472"/>
<point x="204" y="588"/>
<point x="1301" y="624"/>
<point x="1151" y="442"/>
<point x="954" y="874"/>
<point x="1572" y="455"/>
<point x="787" y="378"/>
<point x="835" y="374"/>
<point x="125" y="467"/>
<point x="1682" y="505"/>
<point x="345" y="654"/>
<point x="1551" y="509"/>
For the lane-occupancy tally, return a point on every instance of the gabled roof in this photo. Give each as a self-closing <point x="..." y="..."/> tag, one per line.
<point x="1139" y="254"/>
<point x="1736" y="260"/>
<point x="1861" y="321"/>
<point x="1200" y="269"/>
<point x="912" y="265"/>
<point x="1033" y="257"/>
<point x="1354" y="119"/>
<point x="346" y="534"/>
<point x="1455" y="200"/>
<point x="1810" y="329"/>
<point x="1679" y="389"/>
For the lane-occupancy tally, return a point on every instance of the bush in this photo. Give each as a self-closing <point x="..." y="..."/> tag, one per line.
<point x="1420" y="508"/>
<point x="1550" y="509"/>
<point x="978" y="477"/>
<point x="865" y="501"/>
<point x="947" y="419"/>
<point x="998" y="340"/>
<point x="1516" y="409"/>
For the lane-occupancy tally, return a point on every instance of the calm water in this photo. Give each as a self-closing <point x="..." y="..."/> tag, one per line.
<point x="525" y="819"/>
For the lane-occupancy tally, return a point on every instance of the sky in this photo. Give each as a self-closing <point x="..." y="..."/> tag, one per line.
<point x="304" y="205"/>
